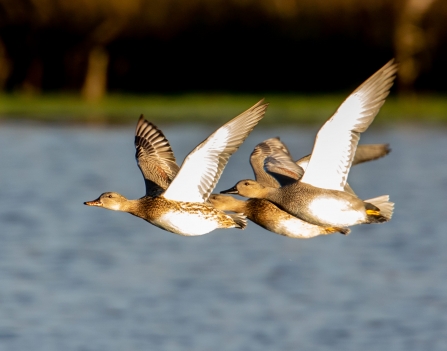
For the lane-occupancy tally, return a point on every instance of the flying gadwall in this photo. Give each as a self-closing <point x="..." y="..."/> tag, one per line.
<point x="273" y="165"/>
<point x="268" y="215"/>
<point x="319" y="197"/>
<point x="176" y="199"/>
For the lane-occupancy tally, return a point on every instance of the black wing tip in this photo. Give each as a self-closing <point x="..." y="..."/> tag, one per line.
<point x="140" y="121"/>
<point x="143" y="125"/>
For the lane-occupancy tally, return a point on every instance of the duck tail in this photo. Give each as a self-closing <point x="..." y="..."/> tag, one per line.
<point x="344" y="231"/>
<point x="379" y="209"/>
<point x="332" y="230"/>
<point x="239" y="219"/>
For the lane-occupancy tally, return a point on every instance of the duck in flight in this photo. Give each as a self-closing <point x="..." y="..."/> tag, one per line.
<point x="176" y="198"/>
<point x="268" y="215"/>
<point x="319" y="196"/>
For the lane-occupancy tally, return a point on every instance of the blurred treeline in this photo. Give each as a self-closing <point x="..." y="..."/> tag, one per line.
<point x="170" y="46"/>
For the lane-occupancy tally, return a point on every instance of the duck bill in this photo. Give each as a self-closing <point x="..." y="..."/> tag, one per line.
<point x="232" y="190"/>
<point x="96" y="203"/>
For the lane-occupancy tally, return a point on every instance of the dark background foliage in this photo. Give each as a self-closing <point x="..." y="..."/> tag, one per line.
<point x="171" y="46"/>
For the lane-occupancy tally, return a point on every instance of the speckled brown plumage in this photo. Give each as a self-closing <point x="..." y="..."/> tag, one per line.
<point x="153" y="210"/>
<point x="270" y="217"/>
<point x="320" y="196"/>
<point x="176" y="198"/>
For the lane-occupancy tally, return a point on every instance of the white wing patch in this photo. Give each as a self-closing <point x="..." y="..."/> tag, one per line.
<point x="303" y="164"/>
<point x="331" y="155"/>
<point x="204" y="165"/>
<point x="198" y="169"/>
<point x="337" y="140"/>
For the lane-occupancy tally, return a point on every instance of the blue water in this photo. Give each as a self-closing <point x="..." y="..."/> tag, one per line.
<point x="74" y="277"/>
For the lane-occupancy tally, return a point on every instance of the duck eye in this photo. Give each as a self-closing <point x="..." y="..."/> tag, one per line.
<point x="247" y="183"/>
<point x="109" y="196"/>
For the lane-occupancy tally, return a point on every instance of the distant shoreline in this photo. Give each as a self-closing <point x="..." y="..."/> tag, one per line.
<point x="207" y="108"/>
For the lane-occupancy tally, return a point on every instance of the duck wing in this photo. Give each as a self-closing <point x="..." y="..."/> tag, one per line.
<point x="370" y="152"/>
<point x="282" y="168"/>
<point x="258" y="157"/>
<point x="203" y="167"/>
<point x="154" y="157"/>
<point x="363" y="153"/>
<point x="337" y="140"/>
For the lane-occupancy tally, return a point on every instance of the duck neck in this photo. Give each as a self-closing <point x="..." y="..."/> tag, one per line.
<point x="265" y="193"/>
<point x="237" y="205"/>
<point x="129" y="206"/>
<point x="268" y="193"/>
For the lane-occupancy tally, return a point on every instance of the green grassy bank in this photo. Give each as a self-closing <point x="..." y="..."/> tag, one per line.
<point x="283" y="109"/>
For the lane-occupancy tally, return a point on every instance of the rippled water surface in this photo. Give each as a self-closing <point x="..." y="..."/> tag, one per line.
<point x="79" y="278"/>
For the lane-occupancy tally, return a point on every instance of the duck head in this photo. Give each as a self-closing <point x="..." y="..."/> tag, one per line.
<point x="248" y="188"/>
<point x="109" y="200"/>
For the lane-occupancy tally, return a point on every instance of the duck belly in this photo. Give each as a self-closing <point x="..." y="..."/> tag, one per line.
<point x="337" y="212"/>
<point x="296" y="228"/>
<point x="187" y="224"/>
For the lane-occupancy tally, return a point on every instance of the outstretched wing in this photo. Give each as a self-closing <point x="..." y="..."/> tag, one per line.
<point x="364" y="153"/>
<point x="154" y="157"/>
<point x="337" y="140"/>
<point x="370" y="152"/>
<point x="204" y="165"/>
